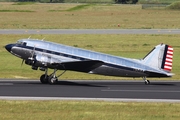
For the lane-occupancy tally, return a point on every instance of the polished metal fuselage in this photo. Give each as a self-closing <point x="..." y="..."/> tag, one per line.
<point x="49" y="52"/>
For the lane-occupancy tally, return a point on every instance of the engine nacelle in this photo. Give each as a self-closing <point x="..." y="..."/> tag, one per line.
<point x="42" y="61"/>
<point x="29" y="62"/>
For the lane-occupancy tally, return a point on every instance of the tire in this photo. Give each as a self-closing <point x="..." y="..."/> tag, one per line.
<point x="147" y="82"/>
<point x="43" y="79"/>
<point x="52" y="80"/>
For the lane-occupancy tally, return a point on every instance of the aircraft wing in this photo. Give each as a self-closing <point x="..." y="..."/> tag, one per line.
<point x="80" y="66"/>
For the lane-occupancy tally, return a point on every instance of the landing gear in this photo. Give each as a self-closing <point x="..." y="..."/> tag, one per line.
<point x="44" y="79"/>
<point x="147" y="82"/>
<point x="51" y="79"/>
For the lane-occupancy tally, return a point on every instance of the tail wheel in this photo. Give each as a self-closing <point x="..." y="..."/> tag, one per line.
<point x="147" y="82"/>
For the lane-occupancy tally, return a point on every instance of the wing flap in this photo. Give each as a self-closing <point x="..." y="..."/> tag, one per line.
<point x="80" y="66"/>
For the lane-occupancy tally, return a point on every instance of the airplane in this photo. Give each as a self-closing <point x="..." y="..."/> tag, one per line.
<point x="49" y="55"/>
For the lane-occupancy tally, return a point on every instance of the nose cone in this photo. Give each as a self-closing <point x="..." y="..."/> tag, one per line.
<point x="9" y="47"/>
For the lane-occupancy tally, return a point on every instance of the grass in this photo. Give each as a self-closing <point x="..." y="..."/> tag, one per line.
<point x="88" y="1"/>
<point x="76" y="110"/>
<point x="62" y="1"/>
<point x="81" y="16"/>
<point x="75" y="8"/>
<point x="132" y="46"/>
<point x="24" y="3"/>
<point x="87" y="16"/>
<point x="157" y="1"/>
<point x="174" y="6"/>
<point x="16" y="11"/>
<point x="79" y="7"/>
<point x="99" y="1"/>
<point x="99" y="16"/>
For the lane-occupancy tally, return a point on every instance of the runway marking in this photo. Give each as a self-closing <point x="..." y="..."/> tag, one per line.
<point x="4" y="84"/>
<point x="140" y="91"/>
<point x="90" y="99"/>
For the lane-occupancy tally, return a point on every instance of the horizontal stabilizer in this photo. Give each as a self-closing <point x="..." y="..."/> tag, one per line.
<point x="81" y="66"/>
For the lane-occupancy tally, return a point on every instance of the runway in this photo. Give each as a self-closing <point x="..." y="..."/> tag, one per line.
<point x="105" y="90"/>
<point x="136" y="91"/>
<point x="89" y="31"/>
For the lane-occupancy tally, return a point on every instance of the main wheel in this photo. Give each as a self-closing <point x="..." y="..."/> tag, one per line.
<point x="52" y="80"/>
<point x="147" y="82"/>
<point x="43" y="79"/>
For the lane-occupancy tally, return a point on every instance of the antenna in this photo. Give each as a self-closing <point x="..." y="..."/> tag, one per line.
<point x="29" y="37"/>
<point x="43" y="38"/>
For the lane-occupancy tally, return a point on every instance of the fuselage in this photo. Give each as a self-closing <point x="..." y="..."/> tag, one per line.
<point x="47" y="53"/>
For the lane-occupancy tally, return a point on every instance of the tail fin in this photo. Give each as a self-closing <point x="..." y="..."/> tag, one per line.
<point x="160" y="57"/>
<point x="167" y="58"/>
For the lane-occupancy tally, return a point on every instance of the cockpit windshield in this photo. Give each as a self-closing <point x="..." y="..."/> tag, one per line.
<point x="21" y="43"/>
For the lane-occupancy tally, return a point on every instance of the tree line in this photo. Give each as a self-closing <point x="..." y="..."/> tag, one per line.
<point x="126" y="1"/>
<point x="62" y="1"/>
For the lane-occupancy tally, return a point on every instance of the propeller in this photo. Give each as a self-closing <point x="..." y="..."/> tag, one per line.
<point x="22" y="62"/>
<point x="32" y="57"/>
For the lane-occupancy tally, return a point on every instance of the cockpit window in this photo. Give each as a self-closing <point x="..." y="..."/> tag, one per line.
<point x="21" y="43"/>
<point x="24" y="43"/>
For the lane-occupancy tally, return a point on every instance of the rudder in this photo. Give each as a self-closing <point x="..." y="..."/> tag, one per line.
<point x="160" y="57"/>
<point x="167" y="58"/>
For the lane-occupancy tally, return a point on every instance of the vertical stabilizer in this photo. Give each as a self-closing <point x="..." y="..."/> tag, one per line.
<point x="160" y="57"/>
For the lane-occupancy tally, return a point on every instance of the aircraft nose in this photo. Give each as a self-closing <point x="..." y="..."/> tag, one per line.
<point x="9" y="47"/>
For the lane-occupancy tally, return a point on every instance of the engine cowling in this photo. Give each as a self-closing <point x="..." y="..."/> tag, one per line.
<point x="42" y="61"/>
<point x="29" y="62"/>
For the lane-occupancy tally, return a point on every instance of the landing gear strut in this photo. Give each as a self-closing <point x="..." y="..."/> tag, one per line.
<point x="51" y="79"/>
<point x="147" y="82"/>
<point x="44" y="78"/>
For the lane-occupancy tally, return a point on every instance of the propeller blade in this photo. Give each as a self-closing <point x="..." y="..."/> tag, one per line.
<point x="33" y="51"/>
<point x="22" y="62"/>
